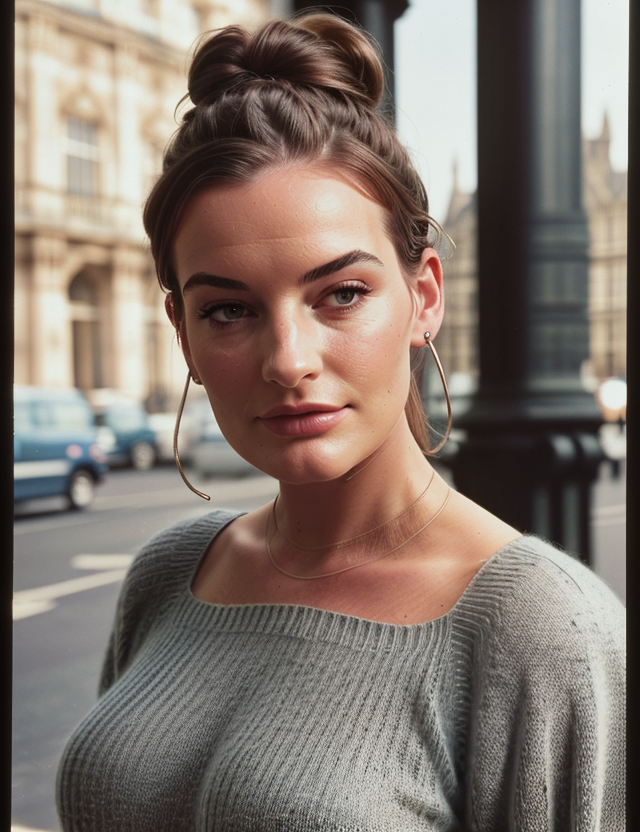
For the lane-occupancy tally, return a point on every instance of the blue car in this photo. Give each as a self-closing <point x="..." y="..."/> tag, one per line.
<point x="126" y="434"/>
<point x="55" y="449"/>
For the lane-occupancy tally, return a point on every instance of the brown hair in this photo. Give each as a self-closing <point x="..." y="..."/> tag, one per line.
<point x="300" y="91"/>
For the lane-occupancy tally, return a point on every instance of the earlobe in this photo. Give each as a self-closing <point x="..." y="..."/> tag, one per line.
<point x="429" y="295"/>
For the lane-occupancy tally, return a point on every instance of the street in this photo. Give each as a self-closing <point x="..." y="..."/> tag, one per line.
<point x="60" y="640"/>
<point x="68" y="570"/>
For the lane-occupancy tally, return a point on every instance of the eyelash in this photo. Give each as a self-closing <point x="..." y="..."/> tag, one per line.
<point x="359" y="289"/>
<point x="209" y="311"/>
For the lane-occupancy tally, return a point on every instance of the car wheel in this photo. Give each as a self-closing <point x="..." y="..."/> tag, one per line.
<point x="81" y="489"/>
<point x="143" y="456"/>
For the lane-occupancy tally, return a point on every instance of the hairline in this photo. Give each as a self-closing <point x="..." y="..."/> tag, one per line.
<point x="318" y="166"/>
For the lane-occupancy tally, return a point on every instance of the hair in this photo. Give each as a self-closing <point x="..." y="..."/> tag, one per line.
<point x="305" y="91"/>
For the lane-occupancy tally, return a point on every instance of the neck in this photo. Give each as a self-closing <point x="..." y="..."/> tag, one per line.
<point x="374" y="492"/>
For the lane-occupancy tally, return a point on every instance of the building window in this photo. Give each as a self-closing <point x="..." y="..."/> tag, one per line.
<point x="86" y="332"/>
<point x="82" y="157"/>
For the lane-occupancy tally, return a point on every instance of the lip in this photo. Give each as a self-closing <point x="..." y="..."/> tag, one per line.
<point x="307" y="419"/>
<point x="300" y="409"/>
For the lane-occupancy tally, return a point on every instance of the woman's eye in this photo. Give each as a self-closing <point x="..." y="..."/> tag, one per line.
<point x="346" y="295"/>
<point x="224" y="313"/>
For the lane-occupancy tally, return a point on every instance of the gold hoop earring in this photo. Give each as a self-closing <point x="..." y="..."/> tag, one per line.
<point x="443" y="442"/>
<point x="176" y="455"/>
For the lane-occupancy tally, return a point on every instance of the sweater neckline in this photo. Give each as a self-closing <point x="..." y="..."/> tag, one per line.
<point x="317" y="623"/>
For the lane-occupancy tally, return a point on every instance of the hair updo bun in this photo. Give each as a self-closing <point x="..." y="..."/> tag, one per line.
<point x="307" y="92"/>
<point x="320" y="51"/>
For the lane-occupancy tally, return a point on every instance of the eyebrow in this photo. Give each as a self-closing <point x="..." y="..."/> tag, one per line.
<point x="203" y="279"/>
<point x="342" y="262"/>
<point x="348" y="259"/>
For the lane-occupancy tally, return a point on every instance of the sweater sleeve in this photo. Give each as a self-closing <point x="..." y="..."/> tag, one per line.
<point x="547" y="739"/>
<point x="160" y="571"/>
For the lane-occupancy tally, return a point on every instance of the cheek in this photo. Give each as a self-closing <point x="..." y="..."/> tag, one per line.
<point x="226" y="375"/>
<point x="379" y="361"/>
<point x="214" y="360"/>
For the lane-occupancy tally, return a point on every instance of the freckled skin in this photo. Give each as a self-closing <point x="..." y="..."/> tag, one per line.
<point x="292" y="343"/>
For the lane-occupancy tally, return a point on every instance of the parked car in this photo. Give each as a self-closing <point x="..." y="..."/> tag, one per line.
<point x="207" y="450"/>
<point x="162" y="425"/>
<point x="201" y="444"/>
<point x="55" y="449"/>
<point x="128" y="438"/>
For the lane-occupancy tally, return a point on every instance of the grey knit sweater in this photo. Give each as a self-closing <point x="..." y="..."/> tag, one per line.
<point x="507" y="713"/>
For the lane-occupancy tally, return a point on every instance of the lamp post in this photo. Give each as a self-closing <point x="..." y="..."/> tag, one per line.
<point x="531" y="451"/>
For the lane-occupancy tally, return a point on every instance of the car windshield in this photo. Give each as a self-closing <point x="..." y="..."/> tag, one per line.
<point x="122" y="418"/>
<point x="56" y="415"/>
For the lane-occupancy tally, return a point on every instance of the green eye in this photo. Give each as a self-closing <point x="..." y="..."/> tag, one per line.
<point x="231" y="311"/>
<point x="224" y="313"/>
<point x="345" y="296"/>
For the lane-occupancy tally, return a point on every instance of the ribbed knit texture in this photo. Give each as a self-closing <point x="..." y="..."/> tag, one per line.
<point x="507" y="713"/>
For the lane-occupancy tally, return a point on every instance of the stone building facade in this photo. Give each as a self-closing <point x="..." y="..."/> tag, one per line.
<point x="97" y="83"/>
<point x="605" y="199"/>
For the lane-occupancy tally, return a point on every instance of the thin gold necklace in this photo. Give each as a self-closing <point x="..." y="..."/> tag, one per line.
<point x="354" y="565"/>
<point x="361" y="536"/>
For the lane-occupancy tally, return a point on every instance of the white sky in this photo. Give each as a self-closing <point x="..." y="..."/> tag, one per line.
<point x="436" y="76"/>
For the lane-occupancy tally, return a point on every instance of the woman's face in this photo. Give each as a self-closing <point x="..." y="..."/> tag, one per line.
<point x="298" y="320"/>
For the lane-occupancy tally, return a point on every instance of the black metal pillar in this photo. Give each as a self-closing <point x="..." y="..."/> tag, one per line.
<point x="376" y="17"/>
<point x="531" y="452"/>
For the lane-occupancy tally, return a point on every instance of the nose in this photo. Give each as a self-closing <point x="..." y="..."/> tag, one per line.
<point x="292" y="352"/>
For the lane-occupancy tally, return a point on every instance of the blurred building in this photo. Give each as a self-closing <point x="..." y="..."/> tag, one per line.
<point x="605" y="199"/>
<point x="458" y="337"/>
<point x="97" y="83"/>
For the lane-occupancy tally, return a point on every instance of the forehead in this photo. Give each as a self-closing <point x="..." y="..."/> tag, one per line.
<point x="284" y="212"/>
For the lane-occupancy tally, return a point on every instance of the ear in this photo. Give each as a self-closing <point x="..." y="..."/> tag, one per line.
<point x="181" y="333"/>
<point x="428" y="292"/>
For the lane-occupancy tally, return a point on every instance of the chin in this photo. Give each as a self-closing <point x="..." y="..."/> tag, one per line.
<point x="305" y="468"/>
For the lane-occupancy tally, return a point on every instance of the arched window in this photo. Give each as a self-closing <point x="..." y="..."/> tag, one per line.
<point x="86" y="332"/>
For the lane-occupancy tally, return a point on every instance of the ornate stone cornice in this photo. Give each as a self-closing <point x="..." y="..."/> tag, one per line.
<point x="97" y="29"/>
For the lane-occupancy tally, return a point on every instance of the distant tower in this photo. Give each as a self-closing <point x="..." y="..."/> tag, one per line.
<point x="458" y="338"/>
<point x="458" y="200"/>
<point x="605" y="197"/>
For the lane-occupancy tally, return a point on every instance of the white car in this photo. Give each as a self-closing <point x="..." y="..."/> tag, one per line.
<point x="201" y="444"/>
<point x="211" y="455"/>
<point x="162" y="424"/>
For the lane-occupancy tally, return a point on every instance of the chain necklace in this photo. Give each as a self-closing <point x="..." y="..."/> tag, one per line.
<point x="360" y="536"/>
<point x="342" y="543"/>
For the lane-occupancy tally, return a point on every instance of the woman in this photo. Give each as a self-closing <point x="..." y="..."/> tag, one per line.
<point x="371" y="651"/>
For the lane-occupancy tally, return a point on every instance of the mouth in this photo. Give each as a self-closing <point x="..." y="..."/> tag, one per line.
<point x="307" y="419"/>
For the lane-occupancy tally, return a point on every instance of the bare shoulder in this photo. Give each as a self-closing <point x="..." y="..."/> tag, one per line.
<point x="437" y="570"/>
<point x="472" y="533"/>
<point x="236" y="552"/>
<point x="244" y="537"/>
